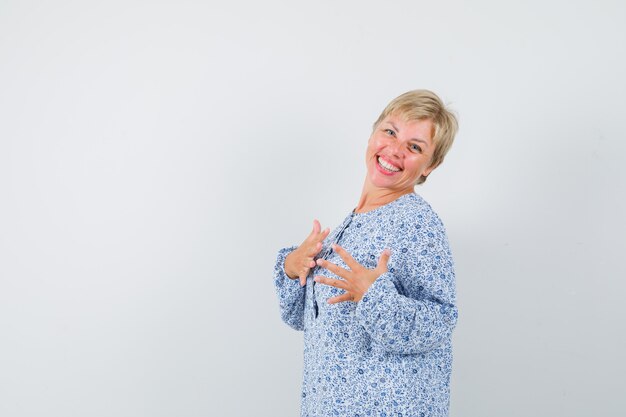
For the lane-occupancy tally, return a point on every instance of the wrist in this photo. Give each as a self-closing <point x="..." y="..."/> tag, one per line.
<point x="287" y="267"/>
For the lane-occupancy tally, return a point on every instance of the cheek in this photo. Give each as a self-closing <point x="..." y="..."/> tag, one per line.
<point x="371" y="148"/>
<point x="376" y="145"/>
<point x="418" y="164"/>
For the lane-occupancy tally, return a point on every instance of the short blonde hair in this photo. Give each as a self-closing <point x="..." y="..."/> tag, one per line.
<point x="420" y="105"/>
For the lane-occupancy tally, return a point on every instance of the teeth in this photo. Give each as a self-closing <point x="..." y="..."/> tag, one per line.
<point x="387" y="166"/>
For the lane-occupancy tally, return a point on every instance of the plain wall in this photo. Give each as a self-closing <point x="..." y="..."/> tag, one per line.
<point x="154" y="156"/>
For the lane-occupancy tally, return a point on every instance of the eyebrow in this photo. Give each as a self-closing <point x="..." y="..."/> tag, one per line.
<point x="417" y="139"/>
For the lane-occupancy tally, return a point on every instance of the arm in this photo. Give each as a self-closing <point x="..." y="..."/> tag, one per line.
<point x="289" y="291"/>
<point x="292" y="291"/>
<point x="424" y="318"/>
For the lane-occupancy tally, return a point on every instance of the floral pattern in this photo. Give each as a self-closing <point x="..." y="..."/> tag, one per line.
<point x="389" y="354"/>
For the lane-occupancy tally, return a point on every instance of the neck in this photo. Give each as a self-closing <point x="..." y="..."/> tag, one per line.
<point x="374" y="197"/>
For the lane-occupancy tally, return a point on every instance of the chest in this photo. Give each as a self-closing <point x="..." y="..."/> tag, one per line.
<point x="365" y="242"/>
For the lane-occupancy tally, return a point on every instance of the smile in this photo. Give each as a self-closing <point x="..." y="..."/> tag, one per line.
<point x="387" y="166"/>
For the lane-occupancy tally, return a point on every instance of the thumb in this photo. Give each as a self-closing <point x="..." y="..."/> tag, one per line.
<point x="384" y="259"/>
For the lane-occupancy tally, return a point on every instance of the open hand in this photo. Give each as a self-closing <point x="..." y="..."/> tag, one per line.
<point x="299" y="262"/>
<point x="357" y="279"/>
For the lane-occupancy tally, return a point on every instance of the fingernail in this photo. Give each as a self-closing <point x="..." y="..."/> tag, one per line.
<point x="319" y="261"/>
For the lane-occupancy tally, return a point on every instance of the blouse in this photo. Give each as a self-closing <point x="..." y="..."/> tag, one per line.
<point x="390" y="354"/>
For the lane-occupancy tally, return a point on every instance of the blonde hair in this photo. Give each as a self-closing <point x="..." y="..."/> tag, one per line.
<point x="421" y="105"/>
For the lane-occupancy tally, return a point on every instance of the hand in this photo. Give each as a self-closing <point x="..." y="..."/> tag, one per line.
<point x="357" y="280"/>
<point x="299" y="262"/>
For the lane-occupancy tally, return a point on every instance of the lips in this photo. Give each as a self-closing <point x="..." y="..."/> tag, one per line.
<point x="387" y="165"/>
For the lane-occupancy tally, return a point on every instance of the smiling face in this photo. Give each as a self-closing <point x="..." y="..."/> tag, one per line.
<point x="398" y="153"/>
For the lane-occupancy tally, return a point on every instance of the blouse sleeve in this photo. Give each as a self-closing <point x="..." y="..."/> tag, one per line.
<point x="424" y="318"/>
<point x="291" y="295"/>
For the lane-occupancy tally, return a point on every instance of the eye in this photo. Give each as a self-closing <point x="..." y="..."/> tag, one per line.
<point x="416" y="148"/>
<point x="390" y="132"/>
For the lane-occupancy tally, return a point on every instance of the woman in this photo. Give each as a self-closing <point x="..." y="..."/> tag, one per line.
<point x="376" y="297"/>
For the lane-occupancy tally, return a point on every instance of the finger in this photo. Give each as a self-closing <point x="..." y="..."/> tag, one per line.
<point x="347" y="258"/>
<point x="335" y="269"/>
<point x="340" y="298"/>
<point x="312" y="250"/>
<point x="311" y="263"/>
<point x="384" y="260"/>
<point x="337" y="283"/>
<point x="302" y="280"/>
<point x="323" y="234"/>
<point x="316" y="227"/>
<point x="319" y="238"/>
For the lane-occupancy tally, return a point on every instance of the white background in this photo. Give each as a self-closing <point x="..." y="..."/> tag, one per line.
<point x="154" y="156"/>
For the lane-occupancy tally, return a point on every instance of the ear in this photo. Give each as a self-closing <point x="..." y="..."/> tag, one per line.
<point x="430" y="169"/>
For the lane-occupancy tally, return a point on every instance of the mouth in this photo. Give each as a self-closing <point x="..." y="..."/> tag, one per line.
<point x="386" y="165"/>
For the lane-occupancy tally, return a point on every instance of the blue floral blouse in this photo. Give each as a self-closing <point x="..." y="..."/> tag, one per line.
<point x="389" y="354"/>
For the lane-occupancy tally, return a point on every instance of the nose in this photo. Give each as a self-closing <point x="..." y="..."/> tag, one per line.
<point x="396" y="148"/>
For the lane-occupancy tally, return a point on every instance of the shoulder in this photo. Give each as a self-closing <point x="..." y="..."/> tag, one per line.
<point x="418" y="214"/>
<point x="420" y="228"/>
